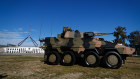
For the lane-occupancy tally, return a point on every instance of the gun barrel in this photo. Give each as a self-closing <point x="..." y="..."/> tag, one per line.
<point x="91" y="34"/>
<point x="99" y="34"/>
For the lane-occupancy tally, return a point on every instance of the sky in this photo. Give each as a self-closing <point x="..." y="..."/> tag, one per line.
<point x="17" y="16"/>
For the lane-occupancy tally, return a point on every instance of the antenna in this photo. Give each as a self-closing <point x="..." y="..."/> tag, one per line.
<point x="40" y="32"/>
<point x="42" y="21"/>
<point x="79" y="28"/>
<point x="51" y="30"/>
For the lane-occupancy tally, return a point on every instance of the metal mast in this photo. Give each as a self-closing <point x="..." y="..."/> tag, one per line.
<point x="29" y="36"/>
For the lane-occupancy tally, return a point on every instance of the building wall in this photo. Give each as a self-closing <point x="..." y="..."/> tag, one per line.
<point x="2" y="50"/>
<point x="23" y="50"/>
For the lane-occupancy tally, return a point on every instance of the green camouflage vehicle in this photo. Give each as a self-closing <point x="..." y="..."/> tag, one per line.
<point x="72" y="47"/>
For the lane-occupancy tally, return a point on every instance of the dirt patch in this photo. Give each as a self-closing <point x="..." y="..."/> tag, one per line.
<point x="69" y="76"/>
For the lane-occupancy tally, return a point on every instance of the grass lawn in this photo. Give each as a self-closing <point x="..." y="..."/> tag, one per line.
<point x="32" y="67"/>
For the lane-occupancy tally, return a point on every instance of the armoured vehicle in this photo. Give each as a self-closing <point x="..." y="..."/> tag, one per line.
<point x="71" y="47"/>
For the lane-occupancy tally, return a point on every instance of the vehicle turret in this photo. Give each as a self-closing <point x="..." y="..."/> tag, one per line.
<point x="69" y="33"/>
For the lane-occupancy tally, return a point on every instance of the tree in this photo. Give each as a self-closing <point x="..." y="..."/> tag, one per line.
<point x="120" y="35"/>
<point x="134" y="38"/>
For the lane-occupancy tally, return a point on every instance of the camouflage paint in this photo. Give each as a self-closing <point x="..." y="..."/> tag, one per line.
<point x="125" y="50"/>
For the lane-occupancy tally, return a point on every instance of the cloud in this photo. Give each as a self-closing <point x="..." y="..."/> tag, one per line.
<point x="9" y="41"/>
<point x="15" y="42"/>
<point x="11" y="34"/>
<point x="20" y="29"/>
<point x="7" y="37"/>
<point x="33" y="30"/>
<point x="5" y="30"/>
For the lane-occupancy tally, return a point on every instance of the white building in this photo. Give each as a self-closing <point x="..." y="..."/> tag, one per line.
<point x="23" y="50"/>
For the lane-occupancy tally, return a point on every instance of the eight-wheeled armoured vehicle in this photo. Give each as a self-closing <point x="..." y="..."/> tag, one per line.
<point x="71" y="47"/>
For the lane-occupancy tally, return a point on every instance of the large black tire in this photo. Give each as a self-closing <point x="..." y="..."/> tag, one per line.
<point x="91" y="59"/>
<point x="45" y="58"/>
<point x="68" y="58"/>
<point x="53" y="58"/>
<point x="112" y="60"/>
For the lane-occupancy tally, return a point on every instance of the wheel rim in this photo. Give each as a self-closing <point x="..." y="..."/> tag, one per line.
<point x="52" y="58"/>
<point x="112" y="60"/>
<point x="67" y="58"/>
<point x="91" y="59"/>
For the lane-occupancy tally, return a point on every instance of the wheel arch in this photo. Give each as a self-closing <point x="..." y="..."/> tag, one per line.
<point x="109" y="49"/>
<point x="94" y="50"/>
<point x="50" y="49"/>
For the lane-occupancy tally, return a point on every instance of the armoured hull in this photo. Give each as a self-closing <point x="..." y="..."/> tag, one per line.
<point x="81" y="44"/>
